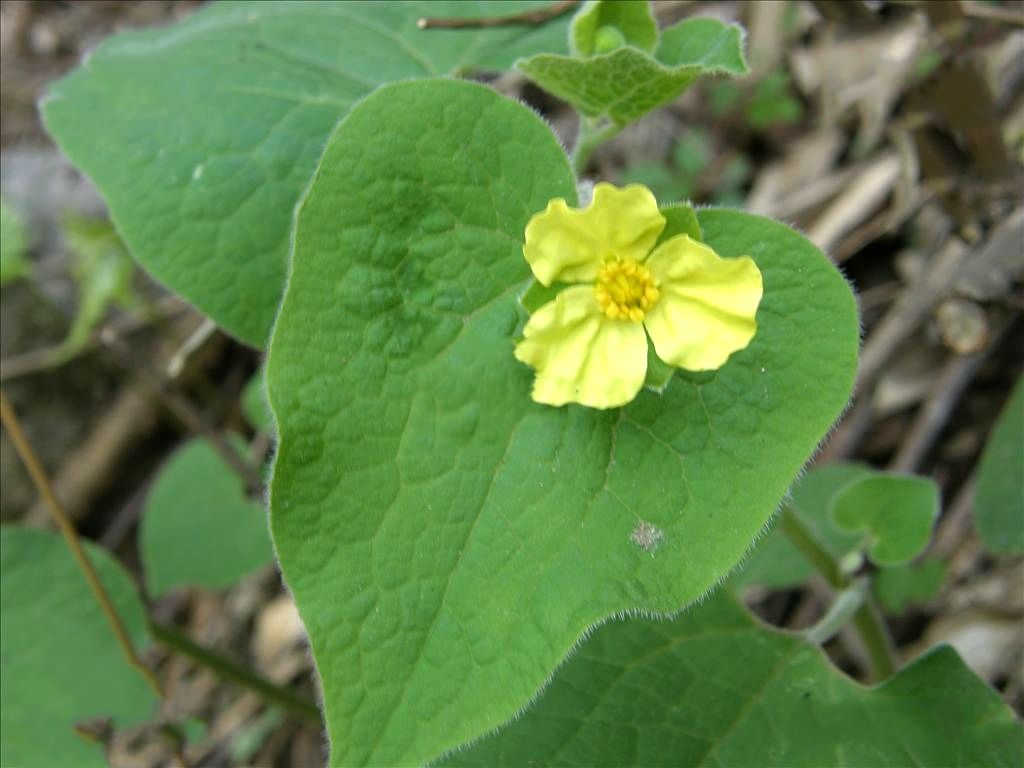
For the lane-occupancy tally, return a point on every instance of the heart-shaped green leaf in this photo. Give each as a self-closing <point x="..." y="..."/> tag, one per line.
<point x="600" y="19"/>
<point x="627" y="83"/>
<point x="202" y="136"/>
<point x="448" y="540"/>
<point x="198" y="528"/>
<point x="714" y="687"/>
<point x="896" y="511"/>
<point x="999" y="498"/>
<point x="60" y="663"/>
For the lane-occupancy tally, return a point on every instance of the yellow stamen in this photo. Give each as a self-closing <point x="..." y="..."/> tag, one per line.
<point x="625" y="290"/>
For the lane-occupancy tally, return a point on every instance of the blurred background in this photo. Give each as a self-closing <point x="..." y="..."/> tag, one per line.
<point x="890" y="133"/>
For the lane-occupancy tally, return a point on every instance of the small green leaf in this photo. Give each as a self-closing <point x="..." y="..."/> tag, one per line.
<point x="198" y="529"/>
<point x="904" y="585"/>
<point x="60" y="663"/>
<point x="202" y="136"/>
<point x="537" y="294"/>
<point x="774" y="102"/>
<point x="13" y="243"/>
<point x="709" y="44"/>
<point x="680" y="219"/>
<point x="255" y="406"/>
<point x="896" y="511"/>
<point x="103" y="273"/>
<point x="630" y="19"/>
<point x="774" y="562"/>
<point x="714" y="687"/>
<point x="447" y="539"/>
<point x="999" y="498"/>
<point x="628" y="83"/>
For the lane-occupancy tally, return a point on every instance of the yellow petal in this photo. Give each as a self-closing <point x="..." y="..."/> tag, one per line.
<point x="707" y="304"/>
<point x="569" y="245"/>
<point x="580" y="355"/>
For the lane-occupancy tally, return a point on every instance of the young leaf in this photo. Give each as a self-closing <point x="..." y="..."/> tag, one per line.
<point x="774" y="562"/>
<point x="632" y="21"/>
<point x="61" y="664"/>
<point x="103" y="273"/>
<point x="715" y="687"/>
<point x="202" y="136"/>
<point x="896" y="511"/>
<point x="447" y="539"/>
<point x="999" y="498"/>
<point x="198" y="528"/>
<point x="904" y="585"/>
<point x="627" y="83"/>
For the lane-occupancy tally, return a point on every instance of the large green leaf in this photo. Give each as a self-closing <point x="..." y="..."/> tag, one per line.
<point x="60" y="663"/>
<point x="999" y="498"/>
<point x="198" y="528"/>
<point x="714" y="687"/>
<point x="627" y="83"/>
<point x="203" y="135"/>
<point x="448" y="540"/>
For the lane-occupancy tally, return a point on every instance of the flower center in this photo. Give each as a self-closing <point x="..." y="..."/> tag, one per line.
<point x="625" y="290"/>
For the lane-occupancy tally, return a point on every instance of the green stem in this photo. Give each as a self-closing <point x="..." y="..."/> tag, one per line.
<point x="866" y="620"/>
<point x="847" y="604"/>
<point x="233" y="673"/>
<point x="589" y="138"/>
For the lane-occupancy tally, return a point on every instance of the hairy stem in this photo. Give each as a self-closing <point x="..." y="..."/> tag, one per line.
<point x="866" y="620"/>
<point x="231" y="672"/>
<point x="589" y="138"/>
<point x="42" y="483"/>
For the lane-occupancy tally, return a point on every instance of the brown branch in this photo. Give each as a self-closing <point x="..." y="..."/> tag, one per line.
<point x="48" y="358"/>
<point x="182" y="410"/>
<point x="1012" y="15"/>
<point x="527" y="17"/>
<point x="42" y="483"/>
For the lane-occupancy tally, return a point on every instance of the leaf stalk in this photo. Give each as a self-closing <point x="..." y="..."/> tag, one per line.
<point x="231" y="672"/>
<point x="591" y="136"/>
<point x="867" y="620"/>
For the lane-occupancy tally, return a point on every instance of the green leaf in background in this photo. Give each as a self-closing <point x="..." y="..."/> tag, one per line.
<point x="60" y="662"/>
<point x="255" y="406"/>
<point x="13" y="243"/>
<point x="631" y="19"/>
<point x="904" y="585"/>
<point x="448" y="540"/>
<point x="774" y="562"/>
<point x="999" y="497"/>
<point x="202" y="136"/>
<point x="198" y="528"/>
<point x="627" y="83"/>
<point x="103" y="272"/>
<point x="774" y="102"/>
<point x="714" y="687"/>
<point x="896" y="511"/>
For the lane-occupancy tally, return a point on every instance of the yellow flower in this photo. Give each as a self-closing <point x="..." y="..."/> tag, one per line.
<point x="589" y="344"/>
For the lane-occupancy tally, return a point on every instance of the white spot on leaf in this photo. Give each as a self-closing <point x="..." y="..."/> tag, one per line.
<point x="646" y="536"/>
